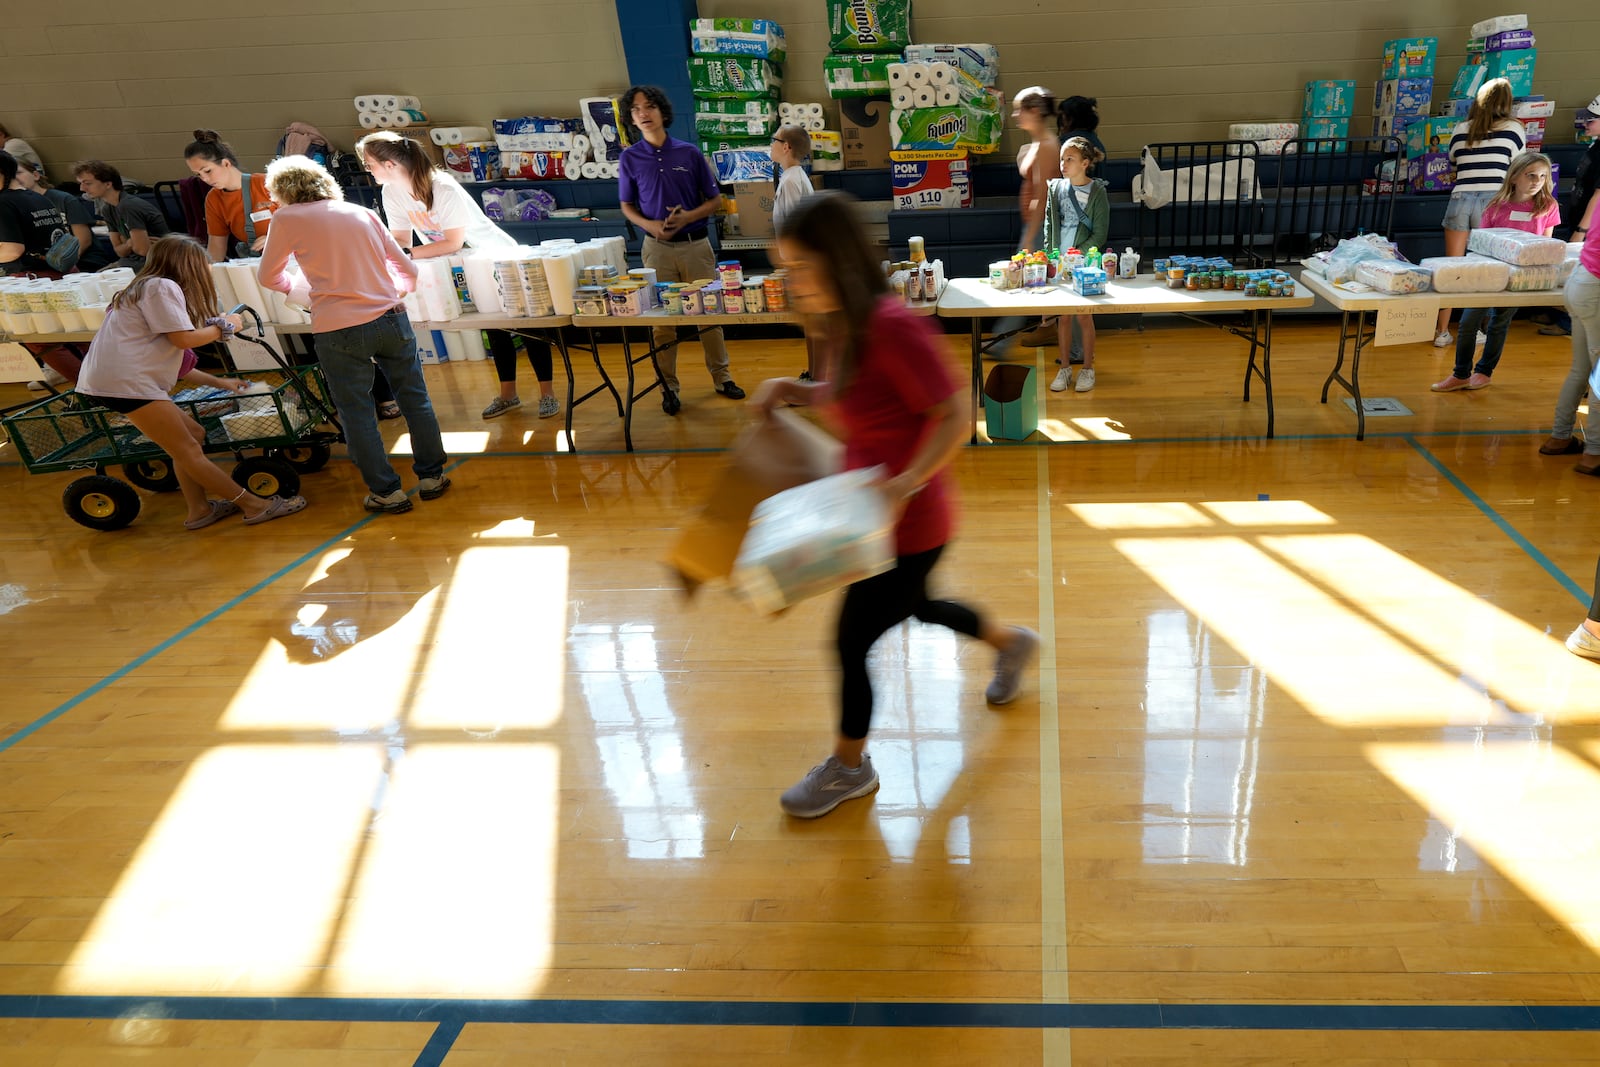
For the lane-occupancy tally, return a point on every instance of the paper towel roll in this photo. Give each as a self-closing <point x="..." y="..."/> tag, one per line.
<point x="916" y="74"/>
<point x="591" y="170"/>
<point x="481" y="284"/>
<point x="453" y="345"/>
<point x="901" y="98"/>
<point x="398" y="103"/>
<point x="508" y="279"/>
<point x="946" y="96"/>
<point x="369" y="120"/>
<point x="227" y="299"/>
<point x="941" y="74"/>
<point x="472" y="345"/>
<point x="922" y="96"/>
<point x="610" y="170"/>
<point x="366" y="103"/>
<point x="401" y="120"/>
<point x="437" y="288"/>
<point x="414" y="310"/>
<point x="898" y="76"/>
<point x="785" y="111"/>
<point x="814" y="111"/>
<point x="451" y="135"/>
<point x="561" y="274"/>
<point x="382" y="120"/>
<point x="242" y="273"/>
<point x="574" y="173"/>
<point x="581" y="143"/>
<point x="814" y="125"/>
<point x="535" y="287"/>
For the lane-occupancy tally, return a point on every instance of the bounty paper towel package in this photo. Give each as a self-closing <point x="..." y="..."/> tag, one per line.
<point x="733" y="76"/>
<point x="869" y="25"/>
<point x="944" y="127"/>
<point x="864" y="74"/>
<point x="715" y="124"/>
<point x="761" y="38"/>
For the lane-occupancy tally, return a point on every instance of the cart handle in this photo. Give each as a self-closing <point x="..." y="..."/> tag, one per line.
<point x="246" y="309"/>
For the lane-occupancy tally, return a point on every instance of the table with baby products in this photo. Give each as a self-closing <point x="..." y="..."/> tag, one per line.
<point x="977" y="299"/>
<point x="699" y="323"/>
<point x="546" y="328"/>
<point x="1361" y="311"/>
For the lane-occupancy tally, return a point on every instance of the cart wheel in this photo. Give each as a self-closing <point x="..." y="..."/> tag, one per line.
<point x="266" y="477"/>
<point x="156" y="475"/>
<point x="307" y="458"/>
<point x="101" y="502"/>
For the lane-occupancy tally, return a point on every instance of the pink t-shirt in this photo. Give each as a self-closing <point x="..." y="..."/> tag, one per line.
<point x="1590" y="255"/>
<point x="355" y="269"/>
<point x="1521" y="217"/>
<point x="899" y="377"/>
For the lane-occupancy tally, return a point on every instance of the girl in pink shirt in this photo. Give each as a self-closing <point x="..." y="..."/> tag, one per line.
<point x="1525" y="202"/>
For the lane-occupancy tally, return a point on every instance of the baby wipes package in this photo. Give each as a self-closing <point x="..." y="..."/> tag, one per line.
<point x="734" y="76"/>
<point x="869" y="25"/>
<point x="1467" y="274"/>
<point x="944" y="127"/>
<point x="1517" y="247"/>
<point x="761" y="38"/>
<point x="815" y="538"/>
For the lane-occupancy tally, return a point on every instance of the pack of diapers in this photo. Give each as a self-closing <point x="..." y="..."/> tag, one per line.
<point x="1467" y="274"/>
<point x="1533" y="279"/>
<point x="1517" y="247"/>
<point x="1393" y="276"/>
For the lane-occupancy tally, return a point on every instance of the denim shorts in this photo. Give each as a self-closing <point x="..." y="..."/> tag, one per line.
<point x="1465" y="210"/>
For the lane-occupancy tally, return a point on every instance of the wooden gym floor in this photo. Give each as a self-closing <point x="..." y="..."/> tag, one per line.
<point x="1303" y="773"/>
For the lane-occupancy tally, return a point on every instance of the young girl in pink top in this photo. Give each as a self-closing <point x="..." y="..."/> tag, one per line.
<point x="1525" y="202"/>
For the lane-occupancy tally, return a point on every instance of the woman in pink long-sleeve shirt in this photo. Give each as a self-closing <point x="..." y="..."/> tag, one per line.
<point x="356" y="276"/>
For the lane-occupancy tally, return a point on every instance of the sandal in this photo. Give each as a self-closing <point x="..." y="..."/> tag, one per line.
<point x="277" y="508"/>
<point x="388" y="410"/>
<point x="220" y="509"/>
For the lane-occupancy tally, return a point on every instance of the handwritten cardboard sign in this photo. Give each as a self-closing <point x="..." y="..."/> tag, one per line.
<point x="17" y="365"/>
<point x="1405" y="322"/>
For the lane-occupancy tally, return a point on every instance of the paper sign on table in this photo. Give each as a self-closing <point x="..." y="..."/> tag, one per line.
<point x="1405" y="322"/>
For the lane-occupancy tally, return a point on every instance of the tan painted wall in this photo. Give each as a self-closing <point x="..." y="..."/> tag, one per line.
<point x="129" y="84"/>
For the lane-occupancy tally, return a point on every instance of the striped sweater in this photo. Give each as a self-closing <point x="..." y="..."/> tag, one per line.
<point x="1481" y="165"/>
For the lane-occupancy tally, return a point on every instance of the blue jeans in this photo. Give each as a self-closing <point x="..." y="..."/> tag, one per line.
<point x="347" y="360"/>
<point x="1494" y="322"/>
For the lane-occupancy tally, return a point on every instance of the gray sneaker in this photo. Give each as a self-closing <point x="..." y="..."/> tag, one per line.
<point x="548" y="406"/>
<point x="395" y="503"/>
<point x="432" y="488"/>
<point x="1009" y="665"/>
<point x="1581" y="643"/>
<point x="826" y="786"/>
<point x="500" y="405"/>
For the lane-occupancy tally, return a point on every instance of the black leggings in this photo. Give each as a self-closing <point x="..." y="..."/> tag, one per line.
<point x="871" y="607"/>
<point x="504" y="350"/>
<point x="1594" y="608"/>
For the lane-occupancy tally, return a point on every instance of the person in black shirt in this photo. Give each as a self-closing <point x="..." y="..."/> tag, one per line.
<point x="94" y="254"/>
<point x="29" y="224"/>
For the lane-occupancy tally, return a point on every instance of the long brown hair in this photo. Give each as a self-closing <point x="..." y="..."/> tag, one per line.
<point x="1543" y="200"/>
<point x="181" y="259"/>
<point x="826" y="225"/>
<point x="393" y="148"/>
<point x="1490" y="109"/>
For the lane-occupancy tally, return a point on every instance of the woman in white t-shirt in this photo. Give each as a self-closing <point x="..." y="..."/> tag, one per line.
<point x="425" y="202"/>
<point x="791" y="146"/>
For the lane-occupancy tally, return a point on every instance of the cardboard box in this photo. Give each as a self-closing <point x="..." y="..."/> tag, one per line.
<point x="754" y="202"/>
<point x="1431" y="135"/>
<point x="864" y="132"/>
<point x="1514" y="67"/>
<point x="931" y="183"/>
<point x="1395" y="125"/>
<point x="772" y="455"/>
<point x="1468" y="79"/>
<point x="1321" y="127"/>
<point x="1410" y="57"/>
<point x="1404" y="96"/>
<point x="1335" y="99"/>
<point x="1430" y="173"/>
<point x="1011" y="402"/>
<point x="419" y="134"/>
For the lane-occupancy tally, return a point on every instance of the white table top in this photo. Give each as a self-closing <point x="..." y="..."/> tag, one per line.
<point x="85" y="336"/>
<point x="966" y="298"/>
<point x="1345" y="300"/>
<point x="658" y="317"/>
<point x="477" y="320"/>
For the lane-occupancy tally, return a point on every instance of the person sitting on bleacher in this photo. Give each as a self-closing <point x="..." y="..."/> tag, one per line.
<point x="93" y="253"/>
<point x="132" y="222"/>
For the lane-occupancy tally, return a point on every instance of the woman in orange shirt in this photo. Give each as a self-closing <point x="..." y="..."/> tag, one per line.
<point x="233" y="226"/>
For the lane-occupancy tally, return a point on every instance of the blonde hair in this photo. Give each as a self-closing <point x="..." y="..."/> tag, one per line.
<point x="1543" y="200"/>
<point x="1490" y="108"/>
<point x="391" y="147"/>
<point x="796" y="138"/>
<point x="1091" y="155"/>
<point x="301" y="180"/>
<point x="178" y="258"/>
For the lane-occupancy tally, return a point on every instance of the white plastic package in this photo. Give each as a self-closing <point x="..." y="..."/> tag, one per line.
<point x="1537" y="278"/>
<point x="1393" y="276"/>
<point x="1498" y="24"/>
<point x="815" y="538"/>
<point x="1340" y="264"/>
<point x="1467" y="274"/>
<point x="1517" y="247"/>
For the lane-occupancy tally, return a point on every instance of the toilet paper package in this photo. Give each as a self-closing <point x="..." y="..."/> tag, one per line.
<point x="1467" y="274"/>
<point x="607" y="135"/>
<point x="734" y="76"/>
<point x="743" y="165"/>
<point x="944" y="127"/>
<point x="443" y="135"/>
<point x="532" y="134"/>
<point x="1517" y="247"/>
<point x="858" y="74"/>
<point x="869" y="25"/>
<point x="761" y="38"/>
<point x="712" y="145"/>
<point x="827" y="151"/>
<point x="1393" y="276"/>
<point x="981" y="62"/>
<point x="715" y="124"/>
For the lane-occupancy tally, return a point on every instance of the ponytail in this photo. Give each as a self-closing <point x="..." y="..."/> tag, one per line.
<point x="208" y="144"/>
<point x="391" y="147"/>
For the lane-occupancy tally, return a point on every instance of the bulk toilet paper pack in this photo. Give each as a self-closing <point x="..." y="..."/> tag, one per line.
<point x="761" y="38"/>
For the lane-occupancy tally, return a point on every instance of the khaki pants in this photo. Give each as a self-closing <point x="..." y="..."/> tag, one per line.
<point x="685" y="261"/>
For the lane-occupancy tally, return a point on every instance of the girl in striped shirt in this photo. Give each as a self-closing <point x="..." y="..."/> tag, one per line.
<point x="1481" y="149"/>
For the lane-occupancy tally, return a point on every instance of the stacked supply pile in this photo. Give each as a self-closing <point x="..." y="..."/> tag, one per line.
<point x="864" y="37"/>
<point x="546" y="149"/>
<point x="1503" y="47"/>
<point x="1398" y="103"/>
<point x="931" y="145"/>
<point x="389" y="111"/>
<point x="736" y="72"/>
<point x="825" y="143"/>
<point x="1271" y="138"/>
<point x="1326" y="110"/>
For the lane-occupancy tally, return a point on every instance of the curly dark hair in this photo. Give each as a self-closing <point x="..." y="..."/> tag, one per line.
<point x="1077" y="113"/>
<point x="653" y="93"/>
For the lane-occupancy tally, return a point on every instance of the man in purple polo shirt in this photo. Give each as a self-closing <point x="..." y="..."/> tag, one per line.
<point x="668" y="190"/>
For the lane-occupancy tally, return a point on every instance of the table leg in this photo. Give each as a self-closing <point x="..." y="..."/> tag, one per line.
<point x="560" y="340"/>
<point x="977" y="374"/>
<point x="1352" y="385"/>
<point x="1266" y="366"/>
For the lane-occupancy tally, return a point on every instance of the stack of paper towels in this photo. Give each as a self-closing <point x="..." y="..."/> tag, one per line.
<point x="389" y="111"/>
<point x="236" y="283"/>
<point x="808" y="117"/>
<point x="922" y="85"/>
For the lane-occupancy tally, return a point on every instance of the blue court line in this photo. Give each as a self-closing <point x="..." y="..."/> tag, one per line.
<point x="439" y="1045"/>
<point x="453" y="1015"/>
<point x="1561" y="577"/>
<point x="211" y="616"/>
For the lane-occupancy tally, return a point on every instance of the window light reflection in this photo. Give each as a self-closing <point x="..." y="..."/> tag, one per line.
<point x="456" y="443"/>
